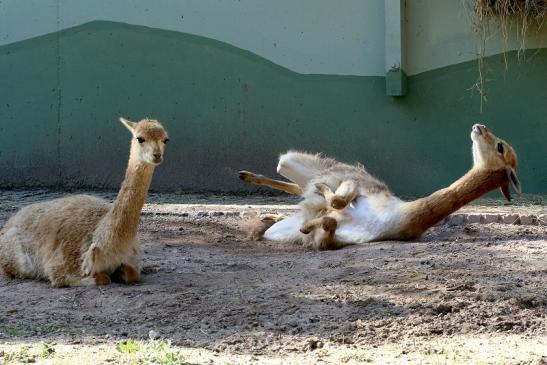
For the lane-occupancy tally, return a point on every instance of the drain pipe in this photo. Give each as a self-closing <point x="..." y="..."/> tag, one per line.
<point x="395" y="43"/>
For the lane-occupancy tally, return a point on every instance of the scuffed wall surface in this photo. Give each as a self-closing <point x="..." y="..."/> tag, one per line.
<point x="235" y="94"/>
<point x="439" y="33"/>
<point x="227" y="109"/>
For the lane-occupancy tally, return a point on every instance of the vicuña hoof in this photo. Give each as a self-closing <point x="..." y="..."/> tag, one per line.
<point x="329" y="224"/>
<point x="247" y="176"/>
<point x="306" y="229"/>
<point x="126" y="274"/>
<point x="102" y="279"/>
<point x="310" y="225"/>
<point x="338" y="202"/>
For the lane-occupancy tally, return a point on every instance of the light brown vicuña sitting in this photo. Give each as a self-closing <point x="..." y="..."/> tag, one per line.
<point x="344" y="204"/>
<point x="81" y="239"/>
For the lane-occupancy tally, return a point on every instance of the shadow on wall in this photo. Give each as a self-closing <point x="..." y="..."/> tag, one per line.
<point x="228" y="109"/>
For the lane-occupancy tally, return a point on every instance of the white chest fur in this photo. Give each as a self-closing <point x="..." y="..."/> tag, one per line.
<point x="367" y="219"/>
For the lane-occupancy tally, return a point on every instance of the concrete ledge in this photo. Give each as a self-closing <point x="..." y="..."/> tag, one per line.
<point x="237" y="210"/>
<point x="457" y="219"/>
<point x="530" y="212"/>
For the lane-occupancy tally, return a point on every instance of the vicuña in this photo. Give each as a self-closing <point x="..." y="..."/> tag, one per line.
<point x="344" y="204"/>
<point x="81" y="239"/>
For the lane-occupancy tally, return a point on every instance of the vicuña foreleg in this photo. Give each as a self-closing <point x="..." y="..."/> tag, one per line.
<point x="344" y="194"/>
<point x="323" y="230"/>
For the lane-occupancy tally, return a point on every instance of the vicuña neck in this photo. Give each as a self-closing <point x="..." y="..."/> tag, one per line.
<point x="125" y="212"/>
<point x="425" y="212"/>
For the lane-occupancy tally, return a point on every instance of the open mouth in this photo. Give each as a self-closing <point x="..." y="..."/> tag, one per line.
<point x="154" y="161"/>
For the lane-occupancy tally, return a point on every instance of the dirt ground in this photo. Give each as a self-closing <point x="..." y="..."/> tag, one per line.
<point x="473" y="293"/>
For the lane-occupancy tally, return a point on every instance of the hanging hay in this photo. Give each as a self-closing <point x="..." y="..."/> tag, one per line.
<point x="513" y="18"/>
<point x="521" y="13"/>
<point x="529" y="9"/>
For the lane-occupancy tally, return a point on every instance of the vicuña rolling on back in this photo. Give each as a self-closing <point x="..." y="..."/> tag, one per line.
<point x="81" y="239"/>
<point x="344" y="204"/>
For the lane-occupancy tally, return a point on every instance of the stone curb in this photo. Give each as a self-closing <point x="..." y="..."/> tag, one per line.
<point x="516" y="219"/>
<point x="456" y="219"/>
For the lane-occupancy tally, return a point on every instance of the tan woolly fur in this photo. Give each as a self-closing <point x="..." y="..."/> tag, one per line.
<point x="83" y="240"/>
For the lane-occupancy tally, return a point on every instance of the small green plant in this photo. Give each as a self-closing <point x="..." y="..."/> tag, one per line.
<point x="48" y="328"/>
<point x="46" y="351"/>
<point x="128" y="347"/>
<point x="21" y="355"/>
<point x="10" y="330"/>
<point x="27" y="354"/>
<point x="158" y="352"/>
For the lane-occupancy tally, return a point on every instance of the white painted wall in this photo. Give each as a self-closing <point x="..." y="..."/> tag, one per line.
<point x="22" y="19"/>
<point x="306" y="36"/>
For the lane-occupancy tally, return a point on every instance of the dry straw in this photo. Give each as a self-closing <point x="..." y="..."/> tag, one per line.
<point x="513" y="18"/>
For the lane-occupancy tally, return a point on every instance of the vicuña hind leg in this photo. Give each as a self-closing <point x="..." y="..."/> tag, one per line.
<point x="14" y="260"/>
<point x="255" y="179"/>
<point x="256" y="226"/>
<point x="13" y="267"/>
<point x="126" y="274"/>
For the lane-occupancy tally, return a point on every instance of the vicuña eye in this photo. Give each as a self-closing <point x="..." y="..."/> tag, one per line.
<point x="500" y="147"/>
<point x="166" y="140"/>
<point x="140" y="139"/>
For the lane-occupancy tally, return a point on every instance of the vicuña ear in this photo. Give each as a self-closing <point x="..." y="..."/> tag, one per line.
<point x="129" y="124"/>
<point x="512" y="175"/>
<point x="506" y="193"/>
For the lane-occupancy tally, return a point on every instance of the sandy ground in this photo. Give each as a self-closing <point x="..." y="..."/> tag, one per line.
<point x="462" y="294"/>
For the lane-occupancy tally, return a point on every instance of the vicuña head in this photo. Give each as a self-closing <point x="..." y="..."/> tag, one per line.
<point x="149" y="140"/>
<point x="493" y="153"/>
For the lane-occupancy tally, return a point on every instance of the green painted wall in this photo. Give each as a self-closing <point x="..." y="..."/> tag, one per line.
<point x="228" y="109"/>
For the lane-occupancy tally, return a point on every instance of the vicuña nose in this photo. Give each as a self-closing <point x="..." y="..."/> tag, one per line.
<point x="478" y="128"/>
<point x="157" y="156"/>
